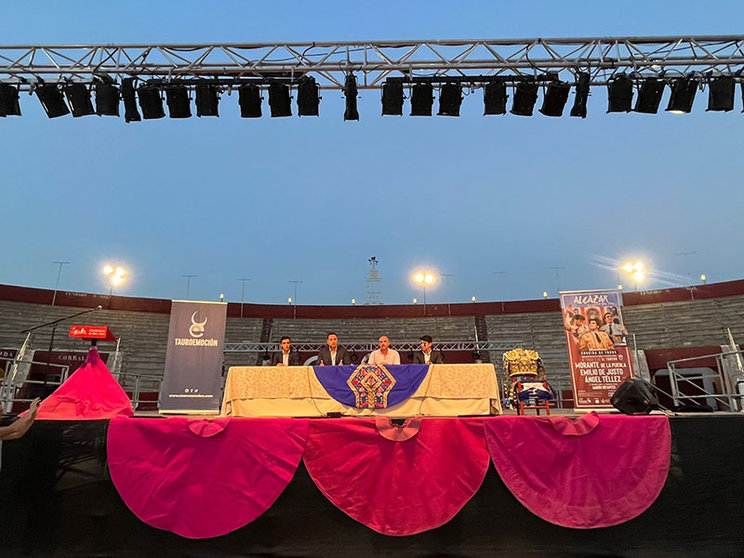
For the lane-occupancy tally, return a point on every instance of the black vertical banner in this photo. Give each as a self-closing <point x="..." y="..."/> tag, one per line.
<point x="193" y="359"/>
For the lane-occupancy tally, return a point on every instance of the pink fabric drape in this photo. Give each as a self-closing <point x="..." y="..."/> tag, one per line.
<point x="90" y="393"/>
<point x="594" y="472"/>
<point x="203" y="478"/>
<point x="398" y="487"/>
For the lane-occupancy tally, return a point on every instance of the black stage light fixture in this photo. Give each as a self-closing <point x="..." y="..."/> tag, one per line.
<point x="683" y="95"/>
<point x="555" y="98"/>
<point x="525" y="97"/>
<point x="649" y="96"/>
<point x="392" y="97"/>
<point x="249" y="99"/>
<point x="619" y="93"/>
<point x="582" y="95"/>
<point x="150" y="102"/>
<point x="494" y="97"/>
<point x="78" y="96"/>
<point x="421" y="99"/>
<point x="450" y="99"/>
<point x="207" y="100"/>
<point x="721" y="94"/>
<point x="350" y="92"/>
<point x="107" y="99"/>
<point x="179" y="104"/>
<point x="635" y="397"/>
<point x="9" y="105"/>
<point x="52" y="100"/>
<point x="308" y="97"/>
<point x="131" y="114"/>
<point x="279" y="100"/>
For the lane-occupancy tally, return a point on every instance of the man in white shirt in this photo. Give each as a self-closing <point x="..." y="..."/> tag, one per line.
<point x="285" y="357"/>
<point x="384" y="355"/>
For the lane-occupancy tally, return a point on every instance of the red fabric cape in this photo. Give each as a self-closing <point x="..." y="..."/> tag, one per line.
<point x="203" y="478"/>
<point x="398" y="487"/>
<point x="592" y="472"/>
<point x="91" y="393"/>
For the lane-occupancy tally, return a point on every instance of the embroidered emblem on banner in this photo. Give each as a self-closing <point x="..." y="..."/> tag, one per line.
<point x="371" y="386"/>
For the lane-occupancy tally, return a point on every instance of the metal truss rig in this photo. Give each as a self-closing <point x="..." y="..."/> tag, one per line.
<point x="465" y="61"/>
<point x="365" y="347"/>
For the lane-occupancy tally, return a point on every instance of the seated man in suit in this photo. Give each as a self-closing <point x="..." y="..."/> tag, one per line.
<point x="426" y="355"/>
<point x="285" y="357"/>
<point x="333" y="354"/>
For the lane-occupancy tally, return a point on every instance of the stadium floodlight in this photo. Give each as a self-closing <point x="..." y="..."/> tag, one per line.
<point x="683" y="95"/>
<point x="207" y="99"/>
<point x="280" y="101"/>
<point x="619" y="93"/>
<point x="249" y="99"/>
<point x="582" y="95"/>
<point x="525" y="97"/>
<point x="107" y="99"/>
<point x="131" y="113"/>
<point x="422" y="99"/>
<point x="350" y="93"/>
<point x="78" y="96"/>
<point x="649" y="97"/>
<point x="150" y="102"/>
<point x="392" y="97"/>
<point x="721" y="94"/>
<point x="52" y="100"/>
<point x="179" y="104"/>
<point x="450" y="99"/>
<point x="9" y="105"/>
<point x="308" y="98"/>
<point x="555" y="98"/>
<point x="494" y="97"/>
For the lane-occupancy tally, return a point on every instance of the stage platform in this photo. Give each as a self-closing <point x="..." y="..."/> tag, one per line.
<point x="57" y="499"/>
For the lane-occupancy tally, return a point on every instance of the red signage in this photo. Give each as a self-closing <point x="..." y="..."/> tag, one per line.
<point x="92" y="332"/>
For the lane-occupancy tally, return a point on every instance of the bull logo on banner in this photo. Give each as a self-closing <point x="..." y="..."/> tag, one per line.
<point x="197" y="328"/>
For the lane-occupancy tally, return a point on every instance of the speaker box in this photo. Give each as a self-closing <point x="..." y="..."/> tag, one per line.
<point x="635" y="397"/>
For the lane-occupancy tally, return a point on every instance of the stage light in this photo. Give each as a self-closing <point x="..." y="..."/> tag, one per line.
<point x="280" y="102"/>
<point x="555" y="98"/>
<point x="704" y="279"/>
<point x="582" y="95"/>
<point x="473" y="299"/>
<point x="150" y="102"/>
<point x="525" y="97"/>
<point x="249" y="99"/>
<point x="9" y="101"/>
<point x="649" y="96"/>
<point x="107" y="99"/>
<point x="450" y="99"/>
<point x="78" y="96"/>
<point x="619" y="93"/>
<point x="52" y="100"/>
<point x="683" y="95"/>
<point x="545" y="294"/>
<point x="307" y="97"/>
<point x="131" y="114"/>
<point x="494" y="97"/>
<point x="350" y="92"/>
<point x="421" y="99"/>
<point x="179" y="104"/>
<point x="392" y="97"/>
<point x="721" y="94"/>
<point x="207" y="100"/>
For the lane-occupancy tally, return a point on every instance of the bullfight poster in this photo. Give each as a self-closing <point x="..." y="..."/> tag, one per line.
<point x="597" y="340"/>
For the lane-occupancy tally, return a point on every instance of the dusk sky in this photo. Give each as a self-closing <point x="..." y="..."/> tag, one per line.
<point x="506" y="207"/>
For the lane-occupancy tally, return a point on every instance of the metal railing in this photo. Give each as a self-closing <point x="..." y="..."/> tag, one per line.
<point x="727" y="384"/>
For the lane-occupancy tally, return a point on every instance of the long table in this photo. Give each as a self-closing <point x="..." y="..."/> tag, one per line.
<point x="294" y="391"/>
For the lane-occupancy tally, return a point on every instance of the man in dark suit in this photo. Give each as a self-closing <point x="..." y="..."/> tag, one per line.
<point x="426" y="355"/>
<point x="285" y="357"/>
<point x="333" y="354"/>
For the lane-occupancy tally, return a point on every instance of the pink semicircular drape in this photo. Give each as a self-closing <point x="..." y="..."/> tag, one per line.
<point x="398" y="487"/>
<point x="584" y="474"/>
<point x="203" y="478"/>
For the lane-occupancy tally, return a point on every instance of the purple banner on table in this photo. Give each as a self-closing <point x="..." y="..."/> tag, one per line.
<point x="368" y="386"/>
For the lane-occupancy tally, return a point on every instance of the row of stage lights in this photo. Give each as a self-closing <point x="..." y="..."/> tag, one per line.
<point x="620" y="88"/>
